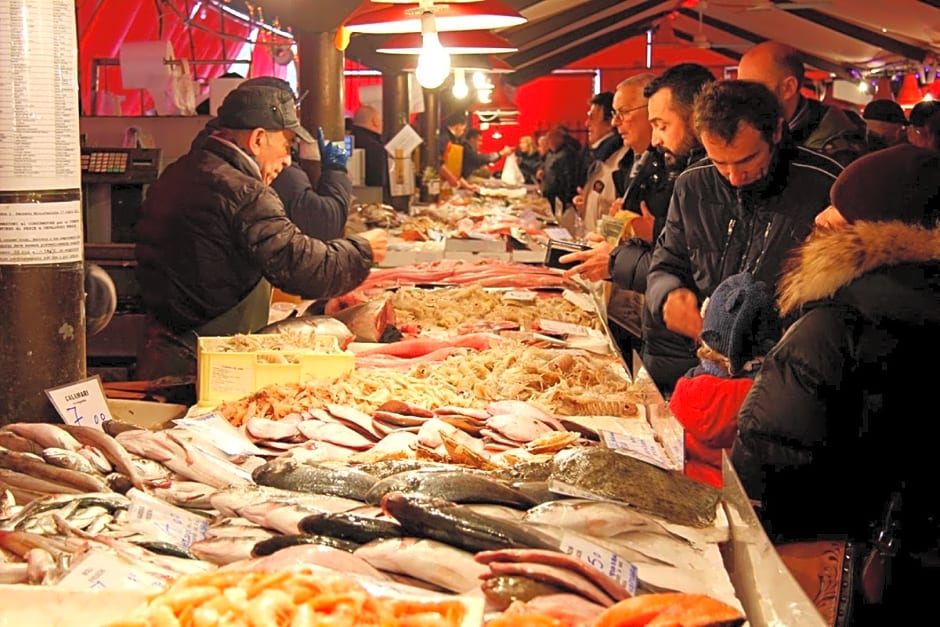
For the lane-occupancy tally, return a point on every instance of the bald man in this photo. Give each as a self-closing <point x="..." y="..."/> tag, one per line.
<point x="812" y="124"/>
<point x="367" y="134"/>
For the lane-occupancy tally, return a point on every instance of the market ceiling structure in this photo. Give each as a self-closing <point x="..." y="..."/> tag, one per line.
<point x="836" y="36"/>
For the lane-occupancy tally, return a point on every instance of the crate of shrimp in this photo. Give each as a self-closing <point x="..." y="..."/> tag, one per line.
<point x="230" y="368"/>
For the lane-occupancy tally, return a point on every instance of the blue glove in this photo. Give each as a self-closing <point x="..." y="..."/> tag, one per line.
<point x="332" y="157"/>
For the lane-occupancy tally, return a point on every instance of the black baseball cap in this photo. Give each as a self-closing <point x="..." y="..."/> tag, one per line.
<point x="258" y="106"/>
<point x="884" y="110"/>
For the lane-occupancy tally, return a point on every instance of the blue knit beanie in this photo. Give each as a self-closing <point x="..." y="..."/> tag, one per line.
<point x="741" y="321"/>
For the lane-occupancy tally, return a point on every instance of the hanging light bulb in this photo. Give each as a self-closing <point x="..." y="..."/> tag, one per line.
<point x="479" y="80"/>
<point x="460" y="89"/>
<point x="433" y="62"/>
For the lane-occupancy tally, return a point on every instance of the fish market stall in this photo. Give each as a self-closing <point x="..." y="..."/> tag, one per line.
<point x="497" y="455"/>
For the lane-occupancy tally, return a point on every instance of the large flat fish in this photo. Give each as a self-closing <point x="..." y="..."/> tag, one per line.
<point x="428" y="560"/>
<point x="311" y="326"/>
<point x="616" y="477"/>
<point x="459" y="526"/>
<point x="323" y="478"/>
<point x="454" y="485"/>
<point x="368" y="320"/>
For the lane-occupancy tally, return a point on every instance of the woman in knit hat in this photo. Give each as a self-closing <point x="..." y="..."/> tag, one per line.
<point x="838" y="419"/>
<point x="739" y="325"/>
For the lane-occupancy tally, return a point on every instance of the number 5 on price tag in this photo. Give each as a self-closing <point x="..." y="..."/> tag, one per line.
<point x="81" y="403"/>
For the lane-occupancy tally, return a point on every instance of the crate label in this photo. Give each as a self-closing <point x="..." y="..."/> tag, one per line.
<point x="602" y="559"/>
<point x="101" y="569"/>
<point x="81" y="403"/>
<point x="522" y="296"/>
<point x="169" y="523"/>
<point x="229" y="378"/>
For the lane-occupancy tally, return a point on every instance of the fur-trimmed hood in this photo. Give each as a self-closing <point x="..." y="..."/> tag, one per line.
<point x="831" y="259"/>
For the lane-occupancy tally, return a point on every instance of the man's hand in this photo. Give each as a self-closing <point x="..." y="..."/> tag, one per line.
<point x="643" y="226"/>
<point x="332" y="157"/>
<point x="578" y="200"/>
<point x="616" y="207"/>
<point x="681" y="313"/>
<point x="378" y="242"/>
<point x="505" y="151"/>
<point x="594" y="262"/>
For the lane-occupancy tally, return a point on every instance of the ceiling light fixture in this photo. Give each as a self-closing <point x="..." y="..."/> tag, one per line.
<point x="399" y="17"/>
<point x="433" y="62"/>
<point x="460" y="89"/>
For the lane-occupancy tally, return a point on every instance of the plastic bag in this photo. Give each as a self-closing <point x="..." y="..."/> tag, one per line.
<point x="511" y="173"/>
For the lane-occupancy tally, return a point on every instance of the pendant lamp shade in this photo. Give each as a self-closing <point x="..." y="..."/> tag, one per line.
<point x="454" y="42"/>
<point x="390" y="18"/>
<point x="910" y="93"/>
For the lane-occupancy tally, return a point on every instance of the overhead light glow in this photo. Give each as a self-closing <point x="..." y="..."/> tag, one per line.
<point x="433" y="62"/>
<point x="460" y="89"/>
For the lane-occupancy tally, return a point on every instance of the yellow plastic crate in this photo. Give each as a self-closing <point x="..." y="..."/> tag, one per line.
<point x="229" y="375"/>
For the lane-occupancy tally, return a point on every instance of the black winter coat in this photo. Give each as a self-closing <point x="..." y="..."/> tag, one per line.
<point x="714" y="230"/>
<point x="209" y="230"/>
<point x="561" y="172"/>
<point x="841" y="412"/>
<point x="376" y="165"/>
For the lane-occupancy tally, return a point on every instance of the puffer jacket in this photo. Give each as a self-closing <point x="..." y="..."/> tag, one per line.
<point x="210" y="229"/>
<point x="714" y="230"/>
<point x="839" y="414"/>
<point x="320" y="213"/>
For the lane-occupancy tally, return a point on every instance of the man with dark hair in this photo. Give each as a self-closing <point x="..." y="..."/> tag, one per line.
<point x="811" y="124"/>
<point x="671" y="97"/>
<point x="473" y="159"/>
<point x="213" y="237"/>
<point x="740" y="210"/>
<point x="451" y="148"/>
<point x="598" y="161"/>
<point x="320" y="212"/>
<point x="885" y="121"/>
<point x="917" y="123"/>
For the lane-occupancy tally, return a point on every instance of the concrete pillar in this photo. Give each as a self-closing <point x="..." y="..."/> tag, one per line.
<point x="430" y="153"/>
<point x="41" y="257"/>
<point x="320" y="75"/>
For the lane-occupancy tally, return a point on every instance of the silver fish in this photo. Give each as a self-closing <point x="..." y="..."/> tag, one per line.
<point x="73" y="460"/>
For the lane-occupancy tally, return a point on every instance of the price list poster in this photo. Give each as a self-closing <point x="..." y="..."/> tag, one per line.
<point x="41" y="251"/>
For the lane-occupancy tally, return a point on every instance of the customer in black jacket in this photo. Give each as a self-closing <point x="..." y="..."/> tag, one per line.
<point x="742" y="209"/>
<point x="841" y="415"/>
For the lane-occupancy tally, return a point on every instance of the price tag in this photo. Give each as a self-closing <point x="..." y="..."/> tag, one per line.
<point x="522" y="296"/>
<point x="602" y="559"/>
<point x="558" y="232"/>
<point x="643" y="448"/>
<point x="101" y="569"/>
<point x="176" y="525"/>
<point x="82" y="403"/>
<point x="221" y="434"/>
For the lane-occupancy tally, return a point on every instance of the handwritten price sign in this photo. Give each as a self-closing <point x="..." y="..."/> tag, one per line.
<point x="602" y="559"/>
<point x="81" y="403"/>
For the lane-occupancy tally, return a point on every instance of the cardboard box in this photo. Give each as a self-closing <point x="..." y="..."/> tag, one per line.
<point x="229" y="375"/>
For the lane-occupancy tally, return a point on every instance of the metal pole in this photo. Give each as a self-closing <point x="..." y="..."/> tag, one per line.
<point x="41" y="259"/>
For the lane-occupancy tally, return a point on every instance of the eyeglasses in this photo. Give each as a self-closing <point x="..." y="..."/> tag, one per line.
<point x="622" y="112"/>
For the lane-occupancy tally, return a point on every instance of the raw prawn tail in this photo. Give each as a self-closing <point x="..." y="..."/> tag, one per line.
<point x="668" y="609"/>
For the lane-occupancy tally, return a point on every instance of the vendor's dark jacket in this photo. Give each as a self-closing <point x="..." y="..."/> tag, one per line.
<point x="210" y="229"/>
<point x="320" y="213"/>
<point x="561" y="172"/>
<point x="843" y="411"/>
<point x="376" y="165"/>
<point x="828" y="130"/>
<point x="714" y="230"/>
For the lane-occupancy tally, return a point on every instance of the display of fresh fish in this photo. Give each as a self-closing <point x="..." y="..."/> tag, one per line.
<point x="368" y="320"/>
<point x="613" y="476"/>
<point x="334" y="433"/>
<point x="311" y="326"/>
<point x="64" y="458"/>
<point x="44" y="434"/>
<point x="459" y="526"/>
<point x="274" y="544"/>
<point x="556" y="576"/>
<point x="427" y="560"/>
<point x="596" y="518"/>
<point x="350" y="526"/>
<point x="14" y="442"/>
<point x="454" y="485"/>
<point x="111" y="448"/>
<point x="324" y="478"/>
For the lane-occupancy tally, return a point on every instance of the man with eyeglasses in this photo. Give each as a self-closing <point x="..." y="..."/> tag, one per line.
<point x="213" y="236"/>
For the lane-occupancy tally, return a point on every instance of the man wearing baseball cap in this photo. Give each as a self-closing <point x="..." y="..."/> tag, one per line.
<point x="213" y="237"/>
<point x="885" y="122"/>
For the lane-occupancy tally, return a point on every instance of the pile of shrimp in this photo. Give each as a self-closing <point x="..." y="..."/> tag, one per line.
<point x="239" y="598"/>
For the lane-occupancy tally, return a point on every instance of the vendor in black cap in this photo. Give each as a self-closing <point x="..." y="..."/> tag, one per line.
<point x="885" y="122"/>
<point x="213" y="237"/>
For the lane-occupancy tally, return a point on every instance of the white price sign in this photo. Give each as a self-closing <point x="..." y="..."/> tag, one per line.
<point x="101" y="569"/>
<point x="167" y="522"/>
<point x="603" y="560"/>
<point x="643" y="448"/>
<point x="82" y="403"/>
